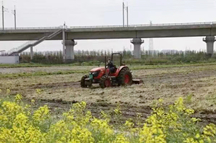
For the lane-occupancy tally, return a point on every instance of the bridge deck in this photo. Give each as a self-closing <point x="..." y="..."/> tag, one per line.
<point x="111" y="27"/>
<point x="113" y="31"/>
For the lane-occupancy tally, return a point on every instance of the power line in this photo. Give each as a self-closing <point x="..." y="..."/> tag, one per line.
<point x="132" y="9"/>
<point x="155" y="4"/>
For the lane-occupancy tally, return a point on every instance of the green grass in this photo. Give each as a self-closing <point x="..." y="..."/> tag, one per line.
<point x="30" y="65"/>
<point x="140" y="67"/>
<point x="21" y="65"/>
<point x="16" y="75"/>
<point x="41" y="73"/>
<point x="133" y="67"/>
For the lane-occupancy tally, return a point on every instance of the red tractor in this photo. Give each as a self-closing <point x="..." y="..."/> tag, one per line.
<point x="102" y="75"/>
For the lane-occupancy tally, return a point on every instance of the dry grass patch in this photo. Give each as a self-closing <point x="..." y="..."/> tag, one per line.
<point x="167" y="83"/>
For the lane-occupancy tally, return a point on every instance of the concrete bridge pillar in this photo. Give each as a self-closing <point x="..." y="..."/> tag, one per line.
<point x="210" y="44"/>
<point x="69" y="50"/>
<point x="137" y="47"/>
<point x="31" y="53"/>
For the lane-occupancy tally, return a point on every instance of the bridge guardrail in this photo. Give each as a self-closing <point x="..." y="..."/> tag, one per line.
<point x="145" y="25"/>
<point x="107" y="26"/>
<point x="29" y="28"/>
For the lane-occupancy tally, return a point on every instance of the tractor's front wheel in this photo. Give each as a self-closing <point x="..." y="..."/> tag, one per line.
<point x="105" y="82"/>
<point x="83" y="84"/>
<point x="125" y="77"/>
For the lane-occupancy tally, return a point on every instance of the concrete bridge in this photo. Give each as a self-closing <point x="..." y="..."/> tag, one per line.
<point x="134" y="32"/>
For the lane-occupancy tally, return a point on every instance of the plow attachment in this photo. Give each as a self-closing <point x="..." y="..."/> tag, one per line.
<point x="137" y="81"/>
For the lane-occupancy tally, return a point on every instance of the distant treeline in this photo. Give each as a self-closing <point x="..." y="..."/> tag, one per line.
<point x="98" y="57"/>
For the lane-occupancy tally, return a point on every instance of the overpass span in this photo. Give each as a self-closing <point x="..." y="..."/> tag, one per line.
<point x="136" y="32"/>
<point x="113" y="31"/>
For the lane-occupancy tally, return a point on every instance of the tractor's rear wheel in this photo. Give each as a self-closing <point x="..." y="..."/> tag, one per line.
<point x="105" y="82"/>
<point x="125" y="77"/>
<point x="83" y="84"/>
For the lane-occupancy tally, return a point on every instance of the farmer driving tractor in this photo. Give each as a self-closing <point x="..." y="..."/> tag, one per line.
<point x="111" y="66"/>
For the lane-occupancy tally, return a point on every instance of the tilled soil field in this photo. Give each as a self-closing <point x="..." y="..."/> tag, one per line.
<point x="197" y="84"/>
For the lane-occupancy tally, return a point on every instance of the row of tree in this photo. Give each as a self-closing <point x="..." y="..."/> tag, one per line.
<point x="148" y="57"/>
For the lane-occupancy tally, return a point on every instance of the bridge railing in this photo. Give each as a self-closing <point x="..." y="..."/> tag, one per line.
<point x="107" y="26"/>
<point x="146" y="25"/>
<point x="30" y="28"/>
<point x="21" y="46"/>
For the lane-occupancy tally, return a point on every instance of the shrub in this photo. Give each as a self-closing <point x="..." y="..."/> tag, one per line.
<point x="95" y="57"/>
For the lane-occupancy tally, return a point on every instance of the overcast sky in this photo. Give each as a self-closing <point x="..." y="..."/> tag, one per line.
<point x="50" y="13"/>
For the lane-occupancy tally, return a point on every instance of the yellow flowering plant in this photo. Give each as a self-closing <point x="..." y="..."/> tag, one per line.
<point x="19" y="123"/>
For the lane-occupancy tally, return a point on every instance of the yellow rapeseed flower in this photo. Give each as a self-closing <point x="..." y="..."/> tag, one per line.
<point x="41" y="114"/>
<point x="32" y="101"/>
<point x="166" y="124"/>
<point x="38" y="91"/>
<point x="18" y="97"/>
<point x="8" y="91"/>
<point x="120" y="138"/>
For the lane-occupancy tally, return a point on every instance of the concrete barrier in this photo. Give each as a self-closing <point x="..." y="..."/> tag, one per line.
<point x="9" y="59"/>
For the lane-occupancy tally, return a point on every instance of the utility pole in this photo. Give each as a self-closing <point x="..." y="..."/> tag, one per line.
<point x="127" y="15"/>
<point x="123" y="11"/>
<point x="14" y="13"/>
<point x="123" y="7"/>
<point x="2" y="16"/>
<point x="63" y="38"/>
<point x="6" y="10"/>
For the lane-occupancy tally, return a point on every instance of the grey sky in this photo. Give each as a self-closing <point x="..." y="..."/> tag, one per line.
<point x="45" y="13"/>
